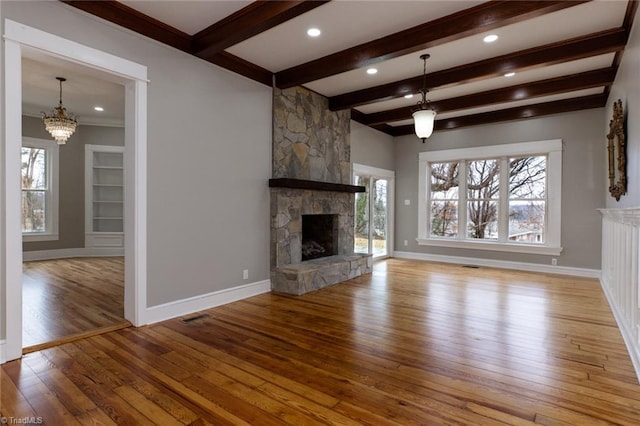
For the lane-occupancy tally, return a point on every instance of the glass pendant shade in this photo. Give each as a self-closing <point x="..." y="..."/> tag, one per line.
<point x="424" y="120"/>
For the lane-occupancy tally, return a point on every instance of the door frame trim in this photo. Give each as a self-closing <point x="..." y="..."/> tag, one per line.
<point x="20" y="38"/>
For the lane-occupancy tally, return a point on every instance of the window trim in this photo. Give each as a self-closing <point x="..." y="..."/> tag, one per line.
<point x="52" y="194"/>
<point x="551" y="148"/>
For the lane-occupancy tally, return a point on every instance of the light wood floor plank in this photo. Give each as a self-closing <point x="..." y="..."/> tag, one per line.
<point x="63" y="298"/>
<point x="414" y="343"/>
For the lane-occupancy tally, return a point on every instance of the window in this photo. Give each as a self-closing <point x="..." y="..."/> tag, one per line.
<point x="39" y="179"/>
<point x="503" y="197"/>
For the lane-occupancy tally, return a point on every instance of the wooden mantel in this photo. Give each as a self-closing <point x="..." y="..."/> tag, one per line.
<point x="314" y="185"/>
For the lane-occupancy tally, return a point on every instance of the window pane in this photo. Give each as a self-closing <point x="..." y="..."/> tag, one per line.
<point x="444" y="218"/>
<point x="483" y="178"/>
<point x="527" y="221"/>
<point x="361" y="237"/>
<point x="34" y="174"/>
<point x="482" y="219"/>
<point x="527" y="177"/>
<point x="33" y="211"/>
<point x="444" y="181"/>
<point x="380" y="217"/>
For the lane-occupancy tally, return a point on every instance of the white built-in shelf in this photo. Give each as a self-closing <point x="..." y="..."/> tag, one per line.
<point x="104" y="196"/>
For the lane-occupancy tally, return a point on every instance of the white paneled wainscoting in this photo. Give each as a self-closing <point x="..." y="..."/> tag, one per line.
<point x="619" y="278"/>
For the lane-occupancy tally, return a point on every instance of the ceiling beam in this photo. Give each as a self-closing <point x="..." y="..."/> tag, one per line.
<point x="599" y="43"/>
<point x="517" y="113"/>
<point x="475" y="20"/>
<point x="129" y="18"/>
<point x="360" y="117"/>
<point x="247" y="22"/>
<point x="548" y="87"/>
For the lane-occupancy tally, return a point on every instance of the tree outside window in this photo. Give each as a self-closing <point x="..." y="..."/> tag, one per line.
<point x="497" y="197"/>
<point x="34" y="189"/>
<point x="39" y="162"/>
<point x="444" y="199"/>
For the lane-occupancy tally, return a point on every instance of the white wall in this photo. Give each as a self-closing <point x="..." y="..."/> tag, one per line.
<point x="209" y="146"/>
<point x="627" y="88"/>
<point x="620" y="273"/>
<point x="582" y="183"/>
<point x="371" y="147"/>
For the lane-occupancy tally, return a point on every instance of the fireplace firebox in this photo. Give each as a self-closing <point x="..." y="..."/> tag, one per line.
<point x="319" y="235"/>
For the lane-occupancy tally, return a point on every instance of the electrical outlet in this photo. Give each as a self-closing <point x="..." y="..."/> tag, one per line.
<point x="406" y="243"/>
<point x="245" y="274"/>
<point x="554" y="262"/>
<point x="407" y="202"/>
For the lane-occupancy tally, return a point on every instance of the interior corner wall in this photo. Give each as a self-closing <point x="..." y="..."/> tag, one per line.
<point x="627" y="88"/>
<point x="71" y="226"/>
<point x="371" y="147"/>
<point x="208" y="158"/>
<point x="583" y="186"/>
<point x="3" y="333"/>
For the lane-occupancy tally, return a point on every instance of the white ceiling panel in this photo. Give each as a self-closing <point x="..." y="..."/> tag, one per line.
<point x="343" y="24"/>
<point x="559" y="70"/>
<point x="82" y="91"/>
<point x="187" y="15"/>
<point x="594" y="16"/>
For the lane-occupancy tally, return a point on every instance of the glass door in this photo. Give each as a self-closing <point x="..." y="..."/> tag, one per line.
<point x="373" y="211"/>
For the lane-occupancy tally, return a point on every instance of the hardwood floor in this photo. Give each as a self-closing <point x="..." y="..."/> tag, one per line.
<point x="64" y="298"/>
<point x="413" y="343"/>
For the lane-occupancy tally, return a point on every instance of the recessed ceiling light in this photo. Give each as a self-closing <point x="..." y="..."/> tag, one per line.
<point x="510" y="74"/>
<point x="98" y="108"/>
<point x="313" y="32"/>
<point x="408" y="96"/>
<point x="372" y="71"/>
<point x="490" y="38"/>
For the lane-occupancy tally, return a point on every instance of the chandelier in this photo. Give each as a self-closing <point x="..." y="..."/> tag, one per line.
<point x="58" y="123"/>
<point x="425" y="116"/>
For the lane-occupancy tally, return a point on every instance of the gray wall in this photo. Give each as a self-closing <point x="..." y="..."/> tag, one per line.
<point x="627" y="88"/>
<point x="371" y="147"/>
<point x="71" y="179"/>
<point x="209" y="150"/>
<point x="582" y="183"/>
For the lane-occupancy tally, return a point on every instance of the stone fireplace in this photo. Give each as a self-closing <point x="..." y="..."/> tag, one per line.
<point x="311" y="190"/>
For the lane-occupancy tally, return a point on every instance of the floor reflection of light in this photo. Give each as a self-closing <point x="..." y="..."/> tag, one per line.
<point x="489" y="321"/>
<point x="508" y="321"/>
<point x="496" y="323"/>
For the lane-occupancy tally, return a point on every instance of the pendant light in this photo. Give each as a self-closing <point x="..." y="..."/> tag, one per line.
<point x="58" y="123"/>
<point x="424" y="117"/>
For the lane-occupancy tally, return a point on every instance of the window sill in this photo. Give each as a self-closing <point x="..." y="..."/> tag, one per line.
<point x="493" y="246"/>
<point x="27" y="238"/>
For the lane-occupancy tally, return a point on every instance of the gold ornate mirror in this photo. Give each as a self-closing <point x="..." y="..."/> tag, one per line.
<point x="617" y="153"/>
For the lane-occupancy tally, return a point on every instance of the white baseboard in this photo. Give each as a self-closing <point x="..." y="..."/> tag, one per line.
<point x="206" y="301"/>
<point x="504" y="264"/>
<point x="71" y="252"/>
<point x="627" y="335"/>
<point x="3" y="351"/>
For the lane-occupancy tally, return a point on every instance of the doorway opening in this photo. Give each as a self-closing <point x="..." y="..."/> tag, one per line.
<point x="73" y="271"/>
<point x="373" y="216"/>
